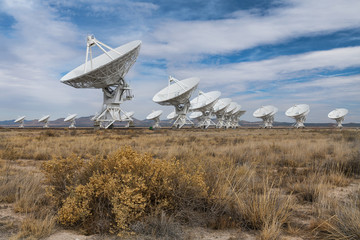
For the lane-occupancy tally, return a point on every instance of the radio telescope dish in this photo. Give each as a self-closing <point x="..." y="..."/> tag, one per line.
<point x="266" y="113"/>
<point x="204" y="103"/>
<point x="45" y="120"/>
<point x="21" y="121"/>
<point x="107" y="72"/>
<point x="196" y="115"/>
<point x="299" y="113"/>
<point x="219" y="111"/>
<point x="71" y="118"/>
<point x="228" y="114"/>
<point x="155" y="115"/>
<point x="177" y="94"/>
<point x="235" y="116"/>
<point x="172" y="115"/>
<point x="338" y="115"/>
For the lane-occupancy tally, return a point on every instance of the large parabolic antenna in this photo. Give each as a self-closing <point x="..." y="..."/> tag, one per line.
<point x="107" y="72"/>
<point x="204" y="103"/>
<point x="155" y="115"/>
<point x="21" y="121"/>
<point x="172" y="115"/>
<point x="196" y="115"/>
<point x="219" y="111"/>
<point x="71" y="119"/>
<point x="266" y="113"/>
<point x="45" y="120"/>
<point x="338" y="115"/>
<point x="228" y="114"/>
<point x="235" y="117"/>
<point x="299" y="113"/>
<point x="177" y="94"/>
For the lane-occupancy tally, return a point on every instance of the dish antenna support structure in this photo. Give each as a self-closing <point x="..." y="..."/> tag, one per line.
<point x="228" y="114"/>
<point x="299" y="113"/>
<point x="21" y="121"/>
<point x="338" y="115"/>
<point x="220" y="110"/>
<point x="204" y="103"/>
<point x="266" y="113"/>
<point x="45" y="120"/>
<point x="177" y="94"/>
<point x="235" y="117"/>
<point x="155" y="115"/>
<point x="127" y="117"/>
<point x="71" y="119"/>
<point x="106" y="72"/>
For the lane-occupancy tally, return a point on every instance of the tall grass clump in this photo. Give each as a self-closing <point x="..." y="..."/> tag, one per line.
<point x="25" y="190"/>
<point x="338" y="220"/>
<point x="109" y="194"/>
<point x="242" y="198"/>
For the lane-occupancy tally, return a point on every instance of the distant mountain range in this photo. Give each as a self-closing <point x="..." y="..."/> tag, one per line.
<point x="86" y="122"/>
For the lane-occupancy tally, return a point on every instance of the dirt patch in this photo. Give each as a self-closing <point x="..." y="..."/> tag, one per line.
<point x="9" y="221"/>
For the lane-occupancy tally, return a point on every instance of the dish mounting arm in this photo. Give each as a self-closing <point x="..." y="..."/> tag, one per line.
<point x="182" y="85"/>
<point x="92" y="41"/>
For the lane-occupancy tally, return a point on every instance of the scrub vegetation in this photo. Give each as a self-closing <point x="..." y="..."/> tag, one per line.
<point x="144" y="184"/>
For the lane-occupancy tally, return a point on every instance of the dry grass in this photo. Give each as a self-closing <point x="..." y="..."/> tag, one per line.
<point x="255" y="178"/>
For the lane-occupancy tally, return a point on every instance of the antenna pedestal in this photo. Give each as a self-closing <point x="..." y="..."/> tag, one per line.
<point x="235" y="123"/>
<point x="127" y="118"/>
<point x="72" y="125"/>
<point x="300" y="122"/>
<point x="181" y="110"/>
<point x="113" y="97"/>
<point x="206" y="121"/>
<point x="268" y="121"/>
<point x="157" y="123"/>
<point x="221" y="122"/>
<point x="228" y="122"/>
<point x="129" y="124"/>
<point x="339" y="122"/>
<point x="221" y="118"/>
<point x="46" y="124"/>
<point x="21" y="124"/>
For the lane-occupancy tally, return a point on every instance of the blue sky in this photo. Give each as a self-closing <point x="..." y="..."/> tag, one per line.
<point x="257" y="52"/>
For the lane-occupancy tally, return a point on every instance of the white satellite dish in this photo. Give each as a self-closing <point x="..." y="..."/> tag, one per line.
<point x="71" y="118"/>
<point x="266" y="113"/>
<point x="235" y="116"/>
<point x="228" y="114"/>
<point x="155" y="115"/>
<point x="21" y="121"/>
<point x="45" y="120"/>
<point x="196" y="115"/>
<point x="172" y="115"/>
<point x="204" y="103"/>
<point x="127" y="117"/>
<point x="107" y="72"/>
<point x="219" y="111"/>
<point x="177" y="94"/>
<point x="299" y="113"/>
<point x="338" y="115"/>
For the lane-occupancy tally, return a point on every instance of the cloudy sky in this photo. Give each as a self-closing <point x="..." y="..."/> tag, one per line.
<point x="257" y="52"/>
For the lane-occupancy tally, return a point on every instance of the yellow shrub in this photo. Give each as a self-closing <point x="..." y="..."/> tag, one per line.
<point x="107" y="194"/>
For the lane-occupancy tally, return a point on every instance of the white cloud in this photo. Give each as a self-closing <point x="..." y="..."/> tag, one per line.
<point x="178" y="39"/>
<point x="276" y="69"/>
<point x="39" y="45"/>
